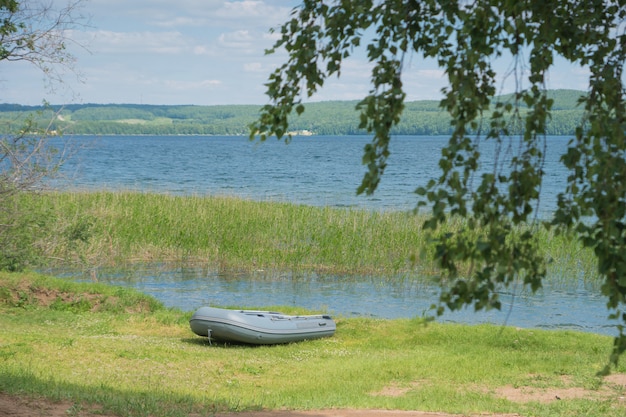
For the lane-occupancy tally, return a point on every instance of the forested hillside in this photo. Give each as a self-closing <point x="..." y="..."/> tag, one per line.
<point x="325" y="118"/>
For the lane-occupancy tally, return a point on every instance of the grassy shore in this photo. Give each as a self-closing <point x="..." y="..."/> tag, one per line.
<point x="93" y="229"/>
<point x="124" y="352"/>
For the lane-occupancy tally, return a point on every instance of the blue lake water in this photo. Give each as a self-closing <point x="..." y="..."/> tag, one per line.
<point x="315" y="171"/>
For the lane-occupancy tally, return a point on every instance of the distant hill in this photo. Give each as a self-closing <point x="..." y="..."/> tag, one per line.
<point x="324" y="118"/>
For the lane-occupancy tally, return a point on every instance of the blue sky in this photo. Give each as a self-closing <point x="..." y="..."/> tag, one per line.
<point x="203" y="52"/>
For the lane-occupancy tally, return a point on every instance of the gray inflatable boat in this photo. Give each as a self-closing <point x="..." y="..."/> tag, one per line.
<point x="259" y="327"/>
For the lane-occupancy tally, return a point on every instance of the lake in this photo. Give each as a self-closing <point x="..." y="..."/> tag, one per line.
<point x="314" y="170"/>
<point x="320" y="171"/>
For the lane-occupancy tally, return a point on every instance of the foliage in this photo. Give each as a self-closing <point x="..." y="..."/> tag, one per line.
<point x="25" y="160"/>
<point x="465" y="38"/>
<point x="325" y="118"/>
<point x="19" y="227"/>
<point x="33" y="32"/>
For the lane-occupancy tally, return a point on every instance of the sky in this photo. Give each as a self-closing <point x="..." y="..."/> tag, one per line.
<point x="200" y="52"/>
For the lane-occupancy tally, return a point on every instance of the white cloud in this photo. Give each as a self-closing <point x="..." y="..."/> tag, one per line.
<point x="181" y="22"/>
<point x="251" y="14"/>
<point x="240" y="39"/>
<point x="204" y="52"/>
<point x="192" y="85"/>
<point x="104" y="41"/>
<point x="250" y="9"/>
<point x="255" y="67"/>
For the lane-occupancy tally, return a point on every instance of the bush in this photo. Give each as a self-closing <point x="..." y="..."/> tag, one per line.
<point x="20" y="229"/>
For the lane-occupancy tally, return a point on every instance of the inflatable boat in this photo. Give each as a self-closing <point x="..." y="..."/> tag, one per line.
<point x="259" y="327"/>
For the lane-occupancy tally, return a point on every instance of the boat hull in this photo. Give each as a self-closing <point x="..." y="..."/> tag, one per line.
<point x="259" y="327"/>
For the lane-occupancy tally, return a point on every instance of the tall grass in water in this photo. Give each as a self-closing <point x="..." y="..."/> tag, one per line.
<point x="113" y="228"/>
<point x="232" y="233"/>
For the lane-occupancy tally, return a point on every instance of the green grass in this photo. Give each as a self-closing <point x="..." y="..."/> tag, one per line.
<point x="138" y="358"/>
<point x="93" y="229"/>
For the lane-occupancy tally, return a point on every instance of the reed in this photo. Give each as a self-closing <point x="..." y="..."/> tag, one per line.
<point x="92" y="229"/>
<point x="139" y="361"/>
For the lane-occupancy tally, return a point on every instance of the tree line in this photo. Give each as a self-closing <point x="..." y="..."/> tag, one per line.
<point x="323" y="118"/>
